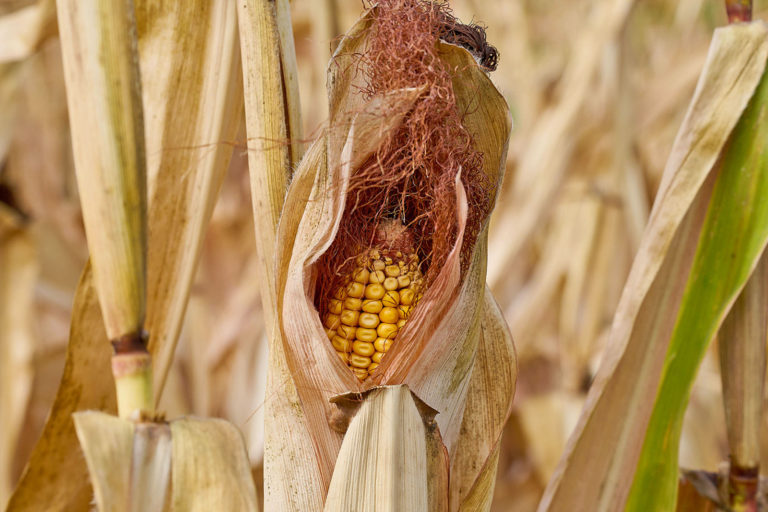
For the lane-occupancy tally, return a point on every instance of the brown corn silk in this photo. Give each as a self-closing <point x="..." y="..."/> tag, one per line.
<point x="455" y="341"/>
<point x="411" y="174"/>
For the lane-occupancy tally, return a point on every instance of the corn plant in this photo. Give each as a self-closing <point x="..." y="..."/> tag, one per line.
<point x="391" y="369"/>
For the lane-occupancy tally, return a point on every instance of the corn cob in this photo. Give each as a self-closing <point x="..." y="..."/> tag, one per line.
<point x="369" y="309"/>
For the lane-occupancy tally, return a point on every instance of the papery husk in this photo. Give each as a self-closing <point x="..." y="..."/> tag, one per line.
<point x="435" y="354"/>
<point x="392" y="457"/>
<point x="191" y="85"/>
<point x="188" y="465"/>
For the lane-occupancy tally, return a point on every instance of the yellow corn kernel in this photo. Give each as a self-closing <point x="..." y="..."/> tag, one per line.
<point x="387" y="330"/>
<point x="355" y="289"/>
<point x="362" y="348"/>
<point x="382" y="344"/>
<point x="343" y="356"/>
<point x="349" y="317"/>
<point x="346" y="331"/>
<point x="365" y="334"/>
<point x="389" y="315"/>
<point x="374" y="291"/>
<point x="405" y="311"/>
<point x="391" y="299"/>
<point x="400" y="323"/>
<point x="388" y="260"/>
<point x="407" y="296"/>
<point x="403" y="281"/>
<point x="390" y="283"/>
<point x="332" y="321"/>
<point x="369" y="320"/>
<point x="392" y="270"/>
<point x="373" y="367"/>
<point x="353" y="304"/>
<point x="330" y="333"/>
<point x="377" y="357"/>
<point x="335" y="307"/>
<point x="378" y="264"/>
<point x="340" y="294"/>
<point x="376" y="277"/>
<point x="361" y="275"/>
<point x="360" y="373"/>
<point x="340" y="344"/>
<point x="372" y="306"/>
<point x="359" y="361"/>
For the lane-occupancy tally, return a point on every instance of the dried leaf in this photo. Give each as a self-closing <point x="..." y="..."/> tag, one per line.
<point x="107" y="443"/>
<point x="210" y="467"/>
<point x="601" y="456"/>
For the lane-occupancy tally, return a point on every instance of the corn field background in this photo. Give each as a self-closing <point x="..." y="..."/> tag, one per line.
<point x="597" y="90"/>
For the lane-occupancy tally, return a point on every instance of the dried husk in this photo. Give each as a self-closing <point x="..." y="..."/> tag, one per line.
<point x="385" y="460"/>
<point x="188" y="464"/>
<point x="436" y="355"/>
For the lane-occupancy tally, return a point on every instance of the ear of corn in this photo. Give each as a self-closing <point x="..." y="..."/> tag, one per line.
<point x="435" y="351"/>
<point x="369" y="310"/>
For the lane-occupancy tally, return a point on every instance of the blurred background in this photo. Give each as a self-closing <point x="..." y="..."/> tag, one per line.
<point x="597" y="90"/>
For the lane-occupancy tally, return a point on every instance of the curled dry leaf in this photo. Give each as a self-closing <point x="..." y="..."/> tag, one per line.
<point x="454" y="343"/>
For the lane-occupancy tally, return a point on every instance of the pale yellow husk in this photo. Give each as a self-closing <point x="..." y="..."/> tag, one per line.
<point x="455" y="343"/>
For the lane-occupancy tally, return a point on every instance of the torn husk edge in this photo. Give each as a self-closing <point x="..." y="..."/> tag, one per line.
<point x="307" y="372"/>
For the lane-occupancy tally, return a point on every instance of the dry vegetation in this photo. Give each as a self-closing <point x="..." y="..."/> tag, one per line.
<point x="597" y="91"/>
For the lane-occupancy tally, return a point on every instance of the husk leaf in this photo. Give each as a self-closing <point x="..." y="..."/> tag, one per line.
<point x="192" y="88"/>
<point x="306" y="372"/>
<point x="385" y="459"/>
<point x="598" y="466"/>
